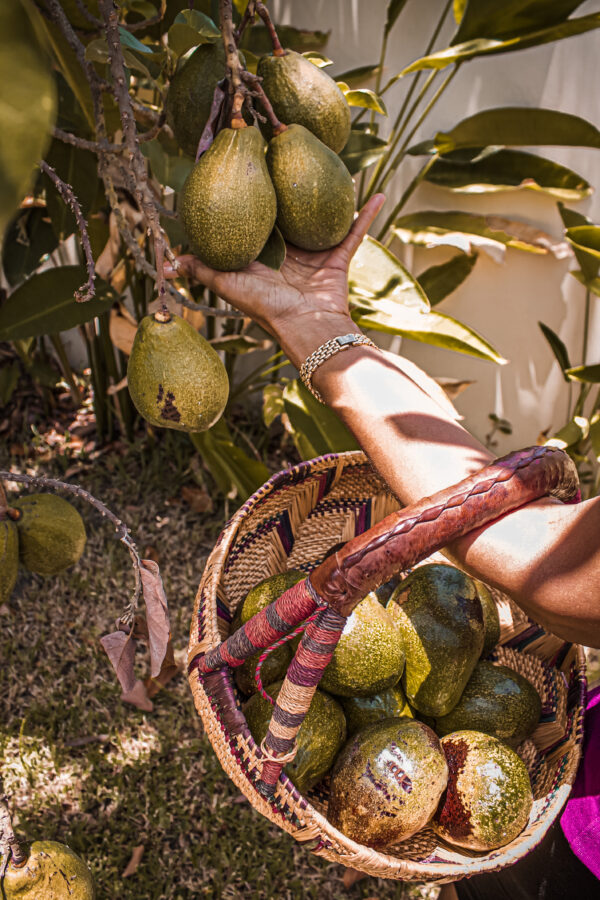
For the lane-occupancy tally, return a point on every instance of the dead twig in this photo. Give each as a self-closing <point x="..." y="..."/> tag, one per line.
<point x="263" y="12"/>
<point x="234" y="66"/>
<point x="247" y="19"/>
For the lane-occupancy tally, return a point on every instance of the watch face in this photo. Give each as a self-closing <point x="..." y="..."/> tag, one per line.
<point x="346" y="339"/>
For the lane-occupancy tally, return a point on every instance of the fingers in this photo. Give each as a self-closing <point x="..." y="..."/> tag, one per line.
<point x="361" y="225"/>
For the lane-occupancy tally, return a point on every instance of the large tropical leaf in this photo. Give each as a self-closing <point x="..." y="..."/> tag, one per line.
<point x="78" y="168"/>
<point x="514" y="126"/>
<point x="45" y="304"/>
<point x="315" y="428"/>
<point x="558" y="348"/>
<point x="440" y="281"/>
<point x="356" y="77"/>
<point x="394" y="9"/>
<point x="235" y="473"/>
<point x="364" y="98"/>
<point x="258" y="40"/>
<point x="190" y="29"/>
<point x="361" y="150"/>
<point x="375" y="273"/>
<point x="488" y="18"/>
<point x="585" y="240"/>
<point x="588" y="374"/>
<point x="28" y="238"/>
<point x="506" y="170"/>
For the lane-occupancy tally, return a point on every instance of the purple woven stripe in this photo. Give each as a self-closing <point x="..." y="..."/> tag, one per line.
<point x="212" y="660"/>
<point x="240" y="645"/>
<point x="287" y="719"/>
<point x="315" y="646"/>
<point x="280" y="745"/>
<point x="302" y="676"/>
<point x="275" y="620"/>
<point x="284" y="530"/>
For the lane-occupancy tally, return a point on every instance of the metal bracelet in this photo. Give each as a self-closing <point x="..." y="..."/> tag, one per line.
<point x="326" y="351"/>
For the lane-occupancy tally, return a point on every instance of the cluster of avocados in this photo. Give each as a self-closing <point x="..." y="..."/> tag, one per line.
<point x="414" y="727"/>
<point x="43" y="533"/>
<point x="244" y="184"/>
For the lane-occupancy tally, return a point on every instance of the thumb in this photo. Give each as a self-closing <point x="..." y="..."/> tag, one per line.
<point x="361" y="225"/>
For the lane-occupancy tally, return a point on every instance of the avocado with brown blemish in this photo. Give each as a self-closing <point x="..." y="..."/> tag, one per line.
<point x="227" y="204"/>
<point x="175" y="378"/>
<point x="439" y="615"/>
<point x="52" y="871"/>
<point x="491" y="620"/>
<point x="319" y="738"/>
<point x="191" y="92"/>
<point x="387" y="782"/>
<point x="9" y="558"/>
<point x="497" y="701"/>
<point x="303" y="94"/>
<point x="51" y="533"/>
<point x="315" y="191"/>
<point x="363" y="711"/>
<point x="488" y="799"/>
<point x="369" y="656"/>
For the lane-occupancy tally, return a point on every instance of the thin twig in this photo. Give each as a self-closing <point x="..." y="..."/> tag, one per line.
<point x="87" y="14"/>
<point x="9" y="846"/>
<point x="247" y="19"/>
<point x="88" y="290"/>
<point x="263" y="12"/>
<point x="84" y="144"/>
<point x="121" y="528"/>
<point x="234" y="66"/>
<point x="257" y="90"/>
<point x="155" y="130"/>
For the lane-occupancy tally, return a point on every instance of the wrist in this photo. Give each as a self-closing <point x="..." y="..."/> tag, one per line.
<point x="302" y="336"/>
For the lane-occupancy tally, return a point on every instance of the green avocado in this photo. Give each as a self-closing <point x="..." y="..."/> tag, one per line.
<point x="321" y="735"/>
<point x="439" y="616"/>
<point x="175" y="378"/>
<point x="363" y="711"/>
<point x="387" y="782"/>
<point x="52" y="872"/>
<point x="266" y="592"/>
<point x="228" y="204"/>
<point x="51" y="533"/>
<point x="9" y="558"/>
<point x="191" y="92"/>
<point x="369" y="656"/>
<point x="491" y="621"/>
<point x="488" y="799"/>
<point x="303" y="94"/>
<point x="315" y="191"/>
<point x="497" y="701"/>
<point x="273" y="669"/>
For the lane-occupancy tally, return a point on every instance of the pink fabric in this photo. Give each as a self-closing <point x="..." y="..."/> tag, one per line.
<point x="581" y="818"/>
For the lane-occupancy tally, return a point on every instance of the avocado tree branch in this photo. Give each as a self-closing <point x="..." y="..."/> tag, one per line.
<point x="94" y="146"/>
<point x="263" y="12"/>
<point x="247" y="19"/>
<point x="87" y="290"/>
<point x="258" y="91"/>
<point x="87" y="14"/>
<point x="236" y="87"/>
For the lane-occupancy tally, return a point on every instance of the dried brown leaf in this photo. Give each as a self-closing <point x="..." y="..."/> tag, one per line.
<point x="168" y="670"/>
<point x="157" y="614"/>
<point x="120" y="649"/>
<point x="122" y="331"/>
<point x="351" y="877"/>
<point x="197" y="498"/>
<point x="138" y="696"/>
<point x="136" y="858"/>
<point x="150" y="552"/>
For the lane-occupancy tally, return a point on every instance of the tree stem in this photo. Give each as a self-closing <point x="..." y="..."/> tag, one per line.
<point x="257" y="89"/>
<point x="263" y="12"/>
<point x="234" y="66"/>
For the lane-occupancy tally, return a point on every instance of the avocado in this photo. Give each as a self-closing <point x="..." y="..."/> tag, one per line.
<point x="304" y="94"/>
<point x="175" y="378"/>
<point x="488" y="799"/>
<point x="191" y="92"/>
<point x="227" y="204"/>
<point x="387" y="782"/>
<point x="51" y="533"/>
<point x="491" y="621"/>
<point x="273" y="669"/>
<point x="363" y="711"/>
<point x="369" y="656"/>
<point x="440" y="618"/>
<point x="497" y="701"/>
<point x="51" y="872"/>
<point x="321" y="735"/>
<point x="265" y="592"/>
<point x="9" y="558"/>
<point x="315" y="191"/>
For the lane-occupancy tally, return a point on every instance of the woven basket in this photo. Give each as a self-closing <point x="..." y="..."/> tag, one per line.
<point x="290" y="523"/>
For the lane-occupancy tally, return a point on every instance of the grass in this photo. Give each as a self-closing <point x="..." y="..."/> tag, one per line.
<point x="82" y="767"/>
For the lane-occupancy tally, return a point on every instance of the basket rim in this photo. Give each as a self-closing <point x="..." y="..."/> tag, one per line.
<point x="315" y="831"/>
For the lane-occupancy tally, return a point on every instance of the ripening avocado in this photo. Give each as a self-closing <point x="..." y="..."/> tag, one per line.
<point x="266" y="591"/>
<point x="438" y="613"/>
<point x="491" y="621"/>
<point x="9" y="558"/>
<point x="369" y="656"/>
<point x="228" y="203"/>
<point x="488" y="799"/>
<point x="175" y="378"/>
<point x="52" y="871"/>
<point x="315" y="192"/>
<point x="191" y="92"/>
<point x="303" y="94"/>
<point x="387" y="782"/>
<point x="363" y="711"/>
<point x="321" y="735"/>
<point x="273" y="669"/>
<point x="497" y="701"/>
<point x="51" y="533"/>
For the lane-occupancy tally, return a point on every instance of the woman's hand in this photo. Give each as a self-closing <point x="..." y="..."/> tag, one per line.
<point x="303" y="304"/>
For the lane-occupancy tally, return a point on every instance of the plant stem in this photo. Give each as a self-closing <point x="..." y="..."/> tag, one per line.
<point x="586" y="327"/>
<point x="247" y="19"/>
<point x="263" y="12"/>
<point x="234" y="66"/>
<point x="407" y="193"/>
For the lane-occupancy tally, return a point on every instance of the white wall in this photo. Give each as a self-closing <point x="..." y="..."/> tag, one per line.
<point x="502" y="301"/>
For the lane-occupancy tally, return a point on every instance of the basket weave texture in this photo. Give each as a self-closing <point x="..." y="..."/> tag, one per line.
<point x="290" y="523"/>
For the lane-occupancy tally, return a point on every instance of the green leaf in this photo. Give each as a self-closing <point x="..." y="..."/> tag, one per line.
<point x="515" y="126"/>
<point x="258" y="39"/>
<point x="376" y="274"/>
<point x="272" y="403"/>
<point x="364" y="98"/>
<point x="97" y="52"/>
<point x="45" y="304"/>
<point x="570" y="434"/>
<point x="317" y="59"/>
<point x="426" y="327"/>
<point x="9" y="378"/>
<point x="588" y="374"/>
<point x="235" y="473"/>
<point x="458" y="10"/>
<point x="585" y="241"/>
<point x="273" y="253"/>
<point x="355" y="77"/>
<point x="28" y="238"/>
<point x="316" y="428"/>
<point x="361" y="150"/>
<point x="76" y="167"/>
<point x="571" y="217"/>
<point x="558" y="348"/>
<point x="468" y="232"/>
<point x="394" y="9"/>
<point x="239" y="343"/>
<point x="440" y="281"/>
<point x="190" y="29"/>
<point x="167" y="168"/>
<point x="591" y="284"/>
<point x="594" y="435"/>
<point x="488" y="18"/>
<point x="27" y="106"/>
<point x="490" y="47"/>
<point x="129" y="40"/>
<point x="507" y="170"/>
